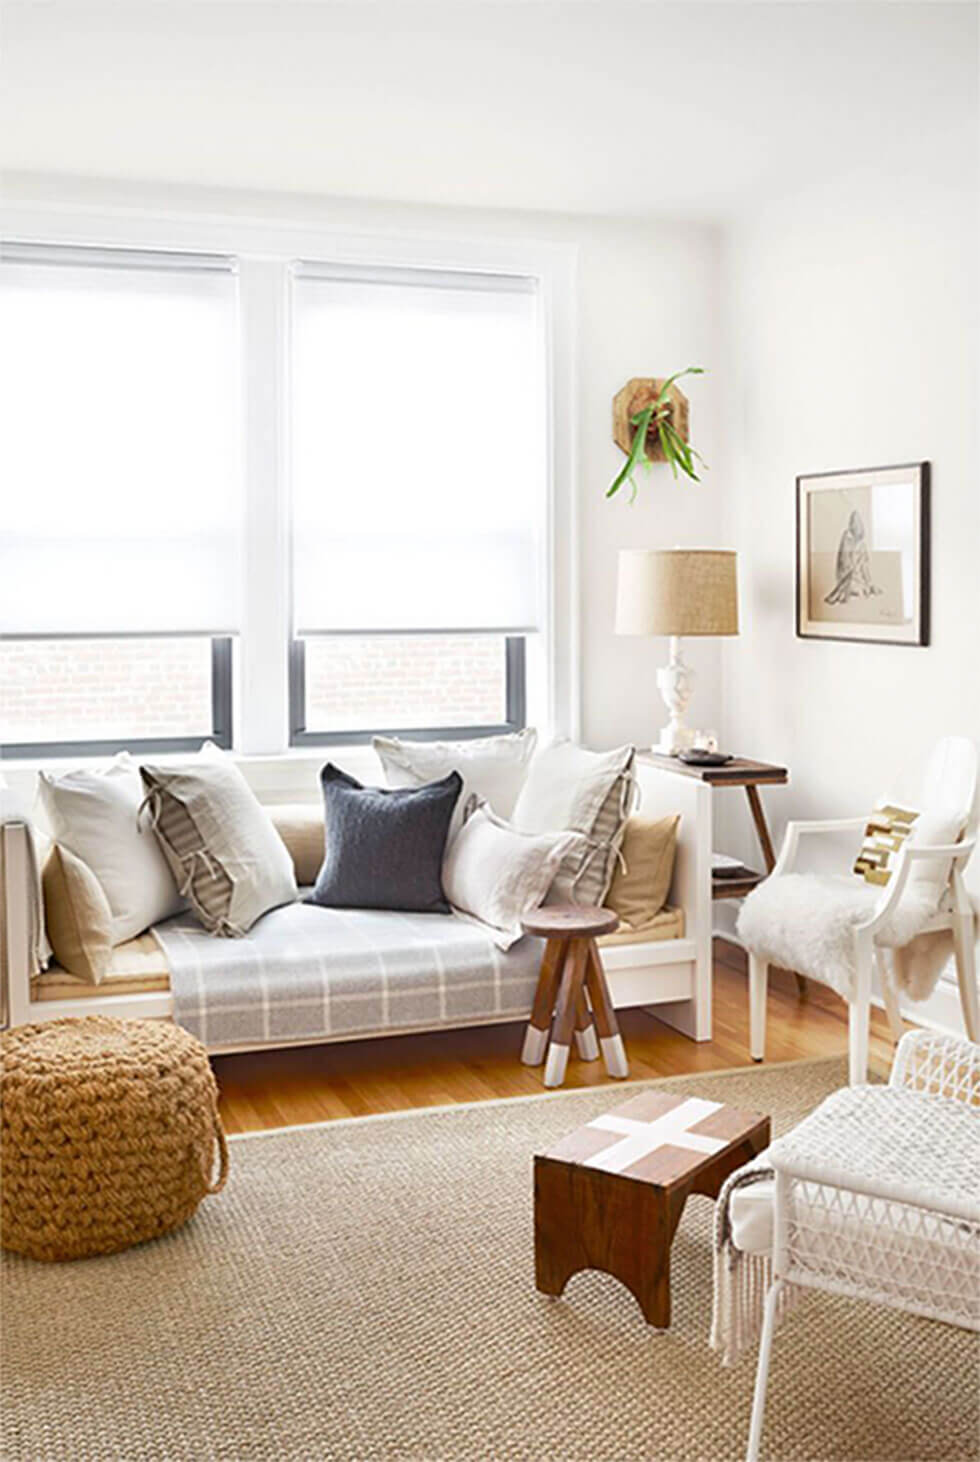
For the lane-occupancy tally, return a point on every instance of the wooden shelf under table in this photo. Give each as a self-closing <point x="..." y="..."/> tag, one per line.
<point x="735" y="888"/>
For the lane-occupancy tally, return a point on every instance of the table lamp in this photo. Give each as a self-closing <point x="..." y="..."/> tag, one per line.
<point x="674" y="592"/>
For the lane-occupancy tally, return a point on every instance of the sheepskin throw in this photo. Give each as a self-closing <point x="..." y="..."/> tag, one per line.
<point x="805" y="922"/>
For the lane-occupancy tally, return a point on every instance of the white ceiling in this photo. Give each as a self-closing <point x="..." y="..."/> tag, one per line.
<point x="603" y="106"/>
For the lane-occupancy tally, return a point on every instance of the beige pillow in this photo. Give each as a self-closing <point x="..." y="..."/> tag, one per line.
<point x="226" y="856"/>
<point x="78" y="916"/>
<point x="300" y="825"/>
<point x="641" y="882"/>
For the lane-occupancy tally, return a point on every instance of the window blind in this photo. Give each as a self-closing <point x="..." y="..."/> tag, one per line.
<point x="418" y="451"/>
<point x="119" y="454"/>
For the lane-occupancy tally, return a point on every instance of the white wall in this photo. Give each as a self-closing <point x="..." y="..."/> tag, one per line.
<point x="853" y="312"/>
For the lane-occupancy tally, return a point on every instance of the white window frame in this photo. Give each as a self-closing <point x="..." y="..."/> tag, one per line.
<point x="265" y="252"/>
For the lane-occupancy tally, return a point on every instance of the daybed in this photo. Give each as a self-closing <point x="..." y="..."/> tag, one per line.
<point x="341" y="974"/>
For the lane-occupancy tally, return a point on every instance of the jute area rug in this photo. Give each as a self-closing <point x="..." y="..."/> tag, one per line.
<point x="365" y="1289"/>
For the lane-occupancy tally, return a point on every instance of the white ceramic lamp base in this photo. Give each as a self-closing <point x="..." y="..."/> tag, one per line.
<point x="675" y="682"/>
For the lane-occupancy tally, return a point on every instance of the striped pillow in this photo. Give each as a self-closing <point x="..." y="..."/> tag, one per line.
<point x="590" y="883"/>
<point x="224" y="851"/>
<point x="570" y="788"/>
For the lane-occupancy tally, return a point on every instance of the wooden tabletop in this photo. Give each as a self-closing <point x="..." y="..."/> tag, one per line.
<point x="634" y="1140"/>
<point x="739" y="772"/>
<point x="570" y="921"/>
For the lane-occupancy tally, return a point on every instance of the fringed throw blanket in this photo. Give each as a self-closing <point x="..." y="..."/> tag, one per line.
<point x="741" y="1280"/>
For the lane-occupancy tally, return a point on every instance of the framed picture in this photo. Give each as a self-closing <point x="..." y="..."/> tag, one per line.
<point x="862" y="555"/>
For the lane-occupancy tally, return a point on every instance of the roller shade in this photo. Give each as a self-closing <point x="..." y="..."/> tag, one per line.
<point x="418" y="451"/>
<point x="119" y="454"/>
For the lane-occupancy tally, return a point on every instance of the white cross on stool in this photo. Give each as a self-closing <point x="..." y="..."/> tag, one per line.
<point x="642" y="1138"/>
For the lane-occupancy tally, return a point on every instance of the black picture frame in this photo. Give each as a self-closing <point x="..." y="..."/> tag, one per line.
<point x="853" y="572"/>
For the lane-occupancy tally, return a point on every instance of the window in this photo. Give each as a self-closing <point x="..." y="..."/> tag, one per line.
<point x="417" y="476"/>
<point x="423" y="684"/>
<point x="274" y="503"/>
<point x="120" y="564"/>
<point x="108" y="693"/>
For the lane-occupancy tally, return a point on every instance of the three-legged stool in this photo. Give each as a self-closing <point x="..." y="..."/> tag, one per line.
<point x="572" y="989"/>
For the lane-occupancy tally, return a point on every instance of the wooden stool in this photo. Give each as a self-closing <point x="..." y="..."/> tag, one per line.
<point x="571" y="970"/>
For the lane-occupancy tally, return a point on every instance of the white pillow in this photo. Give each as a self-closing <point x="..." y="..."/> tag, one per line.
<point x="493" y="768"/>
<point x="938" y="829"/>
<point x="588" y="792"/>
<point x="494" y="875"/>
<point x="94" y="814"/>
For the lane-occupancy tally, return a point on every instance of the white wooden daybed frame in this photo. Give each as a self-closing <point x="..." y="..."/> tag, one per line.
<point x="672" y="977"/>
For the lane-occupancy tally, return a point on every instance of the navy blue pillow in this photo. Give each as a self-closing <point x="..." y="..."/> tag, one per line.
<point x="384" y="845"/>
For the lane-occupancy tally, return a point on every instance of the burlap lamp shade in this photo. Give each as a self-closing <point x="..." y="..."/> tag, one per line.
<point x="674" y="592"/>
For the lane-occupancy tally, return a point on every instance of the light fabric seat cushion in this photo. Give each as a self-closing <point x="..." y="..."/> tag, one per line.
<point x="805" y="922"/>
<point x="667" y="924"/>
<point x="309" y="974"/>
<point x="138" y="967"/>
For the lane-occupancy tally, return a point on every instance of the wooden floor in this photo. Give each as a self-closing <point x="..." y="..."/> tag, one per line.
<point x="317" y="1083"/>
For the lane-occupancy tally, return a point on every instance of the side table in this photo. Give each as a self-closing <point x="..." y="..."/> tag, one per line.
<point x="572" y="979"/>
<point x="739" y="772"/>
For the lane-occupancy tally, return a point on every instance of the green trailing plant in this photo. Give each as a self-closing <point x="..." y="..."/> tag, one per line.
<point x="658" y="416"/>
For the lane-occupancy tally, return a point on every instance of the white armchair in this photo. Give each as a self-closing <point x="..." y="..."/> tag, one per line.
<point x="831" y="928"/>
<point x="875" y="1196"/>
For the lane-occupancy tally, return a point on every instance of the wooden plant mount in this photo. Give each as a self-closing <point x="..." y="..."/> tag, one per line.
<point x="641" y="391"/>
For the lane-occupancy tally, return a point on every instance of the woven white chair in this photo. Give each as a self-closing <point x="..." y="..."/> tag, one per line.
<point x="877" y="1196"/>
<point x="793" y="919"/>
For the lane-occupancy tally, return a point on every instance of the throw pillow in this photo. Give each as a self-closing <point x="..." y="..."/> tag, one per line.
<point x="936" y="829"/>
<point x="641" y="882"/>
<point x="493" y="768"/>
<point x="219" y="841"/>
<point x="384" y="845"/>
<point x="588" y="792"/>
<point x="890" y="827"/>
<point x="77" y="915"/>
<point x="887" y="829"/>
<point x="95" y="815"/>
<point x="300" y="825"/>
<point x="495" y="874"/>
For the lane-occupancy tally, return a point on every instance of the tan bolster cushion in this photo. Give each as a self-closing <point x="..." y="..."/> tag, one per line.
<point x="641" y="882"/>
<point x="300" y="825"/>
<point x="78" y="916"/>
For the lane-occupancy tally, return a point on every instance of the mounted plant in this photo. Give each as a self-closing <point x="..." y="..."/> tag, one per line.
<point x="650" y="423"/>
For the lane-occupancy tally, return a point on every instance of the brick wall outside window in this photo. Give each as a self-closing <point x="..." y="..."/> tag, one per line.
<point x="91" y="690"/>
<point x="356" y="683"/>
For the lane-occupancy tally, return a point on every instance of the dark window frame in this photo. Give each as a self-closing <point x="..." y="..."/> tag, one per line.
<point x="220" y="733"/>
<point x="515" y="707"/>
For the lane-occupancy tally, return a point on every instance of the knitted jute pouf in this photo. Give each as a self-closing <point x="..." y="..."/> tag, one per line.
<point x="109" y="1133"/>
